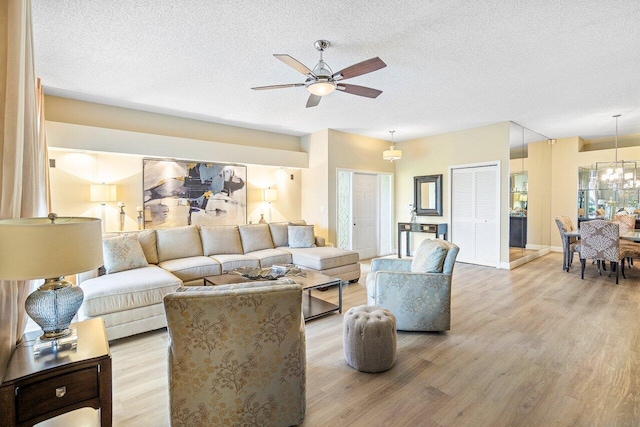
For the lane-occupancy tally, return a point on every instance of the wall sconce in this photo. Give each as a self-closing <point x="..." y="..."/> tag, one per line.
<point x="103" y="193"/>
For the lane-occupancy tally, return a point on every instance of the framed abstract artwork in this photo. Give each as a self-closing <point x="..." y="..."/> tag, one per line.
<point x="178" y="193"/>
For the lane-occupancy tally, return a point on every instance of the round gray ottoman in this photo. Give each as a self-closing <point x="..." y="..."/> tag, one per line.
<point x="369" y="338"/>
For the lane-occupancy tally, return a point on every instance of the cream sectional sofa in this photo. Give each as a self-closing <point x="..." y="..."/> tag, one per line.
<point x="142" y="267"/>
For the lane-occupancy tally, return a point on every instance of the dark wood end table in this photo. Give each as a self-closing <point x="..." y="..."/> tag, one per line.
<point x="38" y="388"/>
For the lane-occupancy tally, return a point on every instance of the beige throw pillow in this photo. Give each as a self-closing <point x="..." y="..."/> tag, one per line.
<point x="178" y="242"/>
<point x="122" y="253"/>
<point x="301" y="236"/>
<point x="255" y="237"/>
<point x="220" y="239"/>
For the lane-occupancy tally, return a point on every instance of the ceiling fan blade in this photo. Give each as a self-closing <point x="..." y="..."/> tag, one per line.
<point x="277" y="86"/>
<point x="294" y="63"/>
<point x="313" y="100"/>
<point x="360" y="68"/>
<point x="359" y="90"/>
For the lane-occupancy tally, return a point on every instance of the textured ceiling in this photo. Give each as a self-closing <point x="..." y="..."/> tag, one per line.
<point x="561" y="68"/>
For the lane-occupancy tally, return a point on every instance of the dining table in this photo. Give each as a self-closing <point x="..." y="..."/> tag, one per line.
<point x="633" y="236"/>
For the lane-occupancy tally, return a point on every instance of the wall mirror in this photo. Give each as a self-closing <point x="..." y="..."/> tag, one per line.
<point x="427" y="195"/>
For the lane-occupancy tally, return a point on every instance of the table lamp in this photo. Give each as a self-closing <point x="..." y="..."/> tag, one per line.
<point x="50" y="248"/>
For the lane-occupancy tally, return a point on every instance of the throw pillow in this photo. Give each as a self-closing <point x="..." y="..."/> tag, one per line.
<point x="220" y="239"/>
<point x="178" y="242"/>
<point x="122" y="253"/>
<point x="255" y="237"/>
<point x="301" y="236"/>
<point x="279" y="233"/>
<point x="429" y="257"/>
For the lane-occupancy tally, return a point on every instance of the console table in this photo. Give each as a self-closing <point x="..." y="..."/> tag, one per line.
<point x="38" y="388"/>
<point x="413" y="227"/>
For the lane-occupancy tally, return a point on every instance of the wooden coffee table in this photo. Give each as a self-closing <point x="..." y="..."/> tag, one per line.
<point x="312" y="307"/>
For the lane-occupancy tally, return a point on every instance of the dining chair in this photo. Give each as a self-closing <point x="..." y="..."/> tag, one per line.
<point x="600" y="241"/>
<point x="565" y="225"/>
<point x="628" y="225"/>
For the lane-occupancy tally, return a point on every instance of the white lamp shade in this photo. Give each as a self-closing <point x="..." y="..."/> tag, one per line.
<point x="103" y="193"/>
<point x="269" y="195"/>
<point x="34" y="248"/>
<point x="392" y="154"/>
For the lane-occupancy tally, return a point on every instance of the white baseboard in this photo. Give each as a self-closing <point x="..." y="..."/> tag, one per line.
<point x="527" y="258"/>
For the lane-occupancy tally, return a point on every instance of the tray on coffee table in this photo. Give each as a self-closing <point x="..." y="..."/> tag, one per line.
<point x="312" y="307"/>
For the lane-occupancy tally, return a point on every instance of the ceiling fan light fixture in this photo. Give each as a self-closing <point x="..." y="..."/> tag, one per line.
<point x="321" y="88"/>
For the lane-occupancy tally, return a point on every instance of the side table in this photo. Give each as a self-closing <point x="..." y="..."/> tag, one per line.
<point x="38" y="388"/>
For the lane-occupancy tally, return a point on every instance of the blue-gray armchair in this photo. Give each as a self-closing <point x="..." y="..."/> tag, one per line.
<point x="418" y="291"/>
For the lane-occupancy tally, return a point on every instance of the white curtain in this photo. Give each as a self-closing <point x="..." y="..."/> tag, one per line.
<point x="24" y="180"/>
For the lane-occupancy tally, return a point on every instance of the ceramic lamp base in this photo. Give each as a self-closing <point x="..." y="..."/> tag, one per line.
<point x="53" y="305"/>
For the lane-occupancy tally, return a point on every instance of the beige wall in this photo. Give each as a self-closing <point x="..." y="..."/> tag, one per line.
<point x="287" y="182"/>
<point x="566" y="158"/>
<point x="539" y="200"/>
<point x="356" y="153"/>
<point x="104" y="116"/>
<point x="75" y="171"/>
<point x="315" y="188"/>
<point x="95" y="143"/>
<point x="330" y="150"/>
<point x="435" y="154"/>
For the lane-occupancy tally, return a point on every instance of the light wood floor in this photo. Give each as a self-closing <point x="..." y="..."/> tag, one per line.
<point x="534" y="346"/>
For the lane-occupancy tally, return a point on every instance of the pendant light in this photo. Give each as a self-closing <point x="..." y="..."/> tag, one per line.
<point x="392" y="154"/>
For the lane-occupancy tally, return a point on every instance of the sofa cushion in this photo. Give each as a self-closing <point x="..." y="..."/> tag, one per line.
<point x="126" y="290"/>
<point x="178" y="242"/>
<point x="301" y="236"/>
<point x="268" y="257"/>
<point x="122" y="253"/>
<point x="322" y="258"/>
<point x="233" y="261"/>
<point x="192" y="268"/>
<point x="220" y="239"/>
<point x="255" y="237"/>
<point x="429" y="257"/>
<point x="279" y="233"/>
<point x="147" y="239"/>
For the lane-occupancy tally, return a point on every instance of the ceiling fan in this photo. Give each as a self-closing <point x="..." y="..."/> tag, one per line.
<point x="322" y="81"/>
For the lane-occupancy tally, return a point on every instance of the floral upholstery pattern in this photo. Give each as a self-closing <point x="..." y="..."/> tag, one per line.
<point x="236" y="355"/>
<point x="123" y="253"/>
<point x="419" y="301"/>
<point x="600" y="241"/>
<point x="627" y="224"/>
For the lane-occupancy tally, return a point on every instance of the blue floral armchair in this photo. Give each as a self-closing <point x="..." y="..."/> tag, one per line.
<point x="418" y="291"/>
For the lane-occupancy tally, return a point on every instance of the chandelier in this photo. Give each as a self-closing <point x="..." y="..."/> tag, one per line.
<point x="616" y="175"/>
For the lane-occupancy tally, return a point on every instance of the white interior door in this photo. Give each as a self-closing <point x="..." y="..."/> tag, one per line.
<point x="365" y="210"/>
<point x="474" y="214"/>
